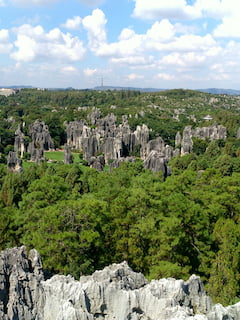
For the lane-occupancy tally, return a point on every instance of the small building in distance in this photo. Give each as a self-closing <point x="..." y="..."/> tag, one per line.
<point x="7" y="91"/>
<point x="207" y="118"/>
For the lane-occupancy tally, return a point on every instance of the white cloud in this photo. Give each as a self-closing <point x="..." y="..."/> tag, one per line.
<point x="186" y="60"/>
<point x="32" y="2"/>
<point x="69" y="70"/>
<point x="73" y="23"/>
<point x="5" y="45"/>
<point x="229" y="27"/>
<point x="171" y="9"/>
<point x="161" y="31"/>
<point x="135" y="61"/>
<point x="92" y="3"/>
<point x="166" y="76"/>
<point x="89" y="72"/>
<point x="95" y="26"/>
<point x="226" y="10"/>
<point x="2" y="3"/>
<point x="126" y="34"/>
<point x="34" y="44"/>
<point x="134" y="76"/>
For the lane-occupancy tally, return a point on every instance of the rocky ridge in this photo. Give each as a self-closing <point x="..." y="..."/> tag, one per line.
<point x="116" y="292"/>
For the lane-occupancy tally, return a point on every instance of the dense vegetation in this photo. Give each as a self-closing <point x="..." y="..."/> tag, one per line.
<point x="81" y="220"/>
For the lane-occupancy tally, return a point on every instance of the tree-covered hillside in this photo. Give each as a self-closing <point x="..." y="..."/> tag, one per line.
<point x="80" y="219"/>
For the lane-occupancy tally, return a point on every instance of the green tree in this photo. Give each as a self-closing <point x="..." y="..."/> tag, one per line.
<point x="224" y="282"/>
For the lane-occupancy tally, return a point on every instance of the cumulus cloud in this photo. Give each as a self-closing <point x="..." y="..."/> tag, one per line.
<point x="89" y="72"/>
<point x="32" y="2"/>
<point x="229" y="27"/>
<point x="34" y="44"/>
<point x="134" y="61"/>
<point x="95" y="26"/>
<point x="171" y="9"/>
<point x="181" y="10"/>
<point x="73" y="23"/>
<point x="5" y="45"/>
<point x="69" y="70"/>
<point x="166" y="76"/>
<point x="134" y="76"/>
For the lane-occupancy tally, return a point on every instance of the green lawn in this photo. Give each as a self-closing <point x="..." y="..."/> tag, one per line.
<point x="54" y="155"/>
<point x="59" y="156"/>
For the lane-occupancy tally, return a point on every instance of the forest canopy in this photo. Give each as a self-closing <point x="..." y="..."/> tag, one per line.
<point x="81" y="220"/>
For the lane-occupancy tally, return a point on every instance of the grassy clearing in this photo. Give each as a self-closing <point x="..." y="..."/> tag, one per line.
<point x="59" y="156"/>
<point x="54" y="155"/>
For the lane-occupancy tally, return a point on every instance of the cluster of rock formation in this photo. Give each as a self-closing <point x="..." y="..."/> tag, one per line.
<point x="116" y="292"/>
<point x="103" y="141"/>
<point x="40" y="141"/>
<point x="185" y="142"/>
<point x="118" y="143"/>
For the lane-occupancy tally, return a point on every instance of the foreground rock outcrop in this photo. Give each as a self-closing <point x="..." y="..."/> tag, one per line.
<point x="116" y="292"/>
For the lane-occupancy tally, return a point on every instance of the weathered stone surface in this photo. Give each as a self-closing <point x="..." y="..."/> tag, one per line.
<point x="68" y="158"/>
<point x="13" y="162"/>
<point x="21" y="295"/>
<point x="97" y="163"/>
<point x="40" y="135"/>
<point x="116" y="292"/>
<point x="178" y="139"/>
<point x="41" y="140"/>
<point x="155" y="161"/>
<point x="214" y="132"/>
<point x="37" y="153"/>
<point x="117" y="162"/>
<point x="19" y="142"/>
<point x="238" y="133"/>
<point x="105" y="136"/>
<point x="187" y="143"/>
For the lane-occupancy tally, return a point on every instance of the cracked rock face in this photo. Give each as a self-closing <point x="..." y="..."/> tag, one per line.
<point x="116" y="292"/>
<point x="14" y="163"/>
<point x="214" y="132"/>
<point x="21" y="295"/>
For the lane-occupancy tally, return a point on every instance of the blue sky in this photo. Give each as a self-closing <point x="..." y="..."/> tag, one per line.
<point x="140" y="43"/>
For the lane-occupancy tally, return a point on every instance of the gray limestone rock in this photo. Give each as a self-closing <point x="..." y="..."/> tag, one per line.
<point x="214" y="132"/>
<point x="19" y="142"/>
<point x="105" y="136"/>
<point x="156" y="162"/>
<point x="13" y="162"/>
<point x="68" y="158"/>
<point x="21" y="295"/>
<point x="178" y="140"/>
<point x="116" y="292"/>
<point x="37" y="153"/>
<point x="97" y="163"/>
<point x="41" y="140"/>
<point x="238" y="133"/>
<point x="40" y="135"/>
<point x="187" y="143"/>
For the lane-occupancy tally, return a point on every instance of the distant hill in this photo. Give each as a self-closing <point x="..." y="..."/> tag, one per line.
<point x="119" y="88"/>
<point x="16" y="87"/>
<point x="209" y="90"/>
<point x="104" y="88"/>
<point x="221" y="91"/>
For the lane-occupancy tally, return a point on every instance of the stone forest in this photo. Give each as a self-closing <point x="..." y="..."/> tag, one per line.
<point x="119" y="205"/>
